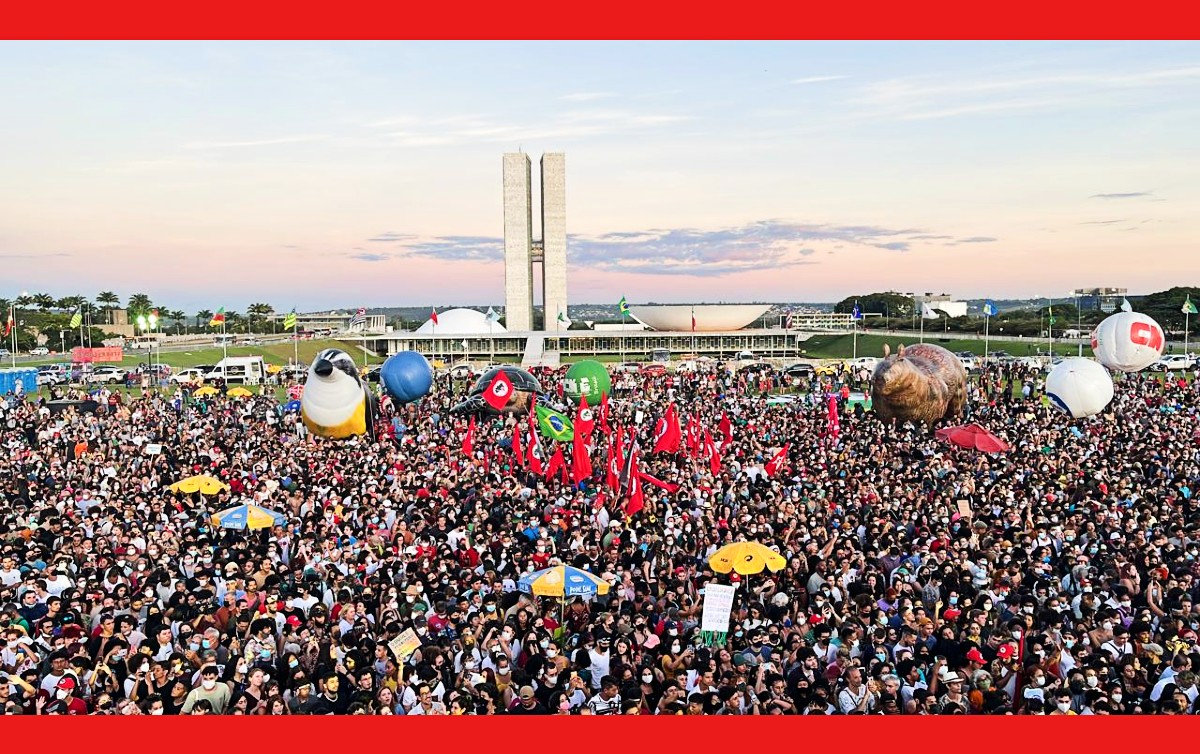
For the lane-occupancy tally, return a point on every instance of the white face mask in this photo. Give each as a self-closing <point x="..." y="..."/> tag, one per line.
<point x="209" y="684"/>
<point x="1093" y="681"/>
<point x="551" y="652"/>
<point x="1064" y="706"/>
<point x="62" y="693"/>
<point x="158" y="711"/>
<point x="1040" y="680"/>
<point x="647" y="677"/>
<point x="504" y="670"/>
<point x="1116" y="698"/>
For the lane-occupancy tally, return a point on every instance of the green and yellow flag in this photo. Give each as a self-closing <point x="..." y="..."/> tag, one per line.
<point x="218" y="318"/>
<point x="76" y="319"/>
<point x="290" y="320"/>
<point x="1050" y="311"/>
<point x="624" y="306"/>
<point x="554" y="425"/>
<point x="1188" y="306"/>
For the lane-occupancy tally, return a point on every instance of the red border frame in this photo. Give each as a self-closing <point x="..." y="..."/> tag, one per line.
<point x="616" y="19"/>
<point x="613" y="19"/>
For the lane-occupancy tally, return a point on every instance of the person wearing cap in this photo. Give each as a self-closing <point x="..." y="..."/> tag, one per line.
<point x="527" y="703"/>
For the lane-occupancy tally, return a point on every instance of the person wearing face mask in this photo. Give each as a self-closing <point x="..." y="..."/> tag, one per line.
<point x="210" y="690"/>
<point x="64" y="694"/>
<point x="1062" y="704"/>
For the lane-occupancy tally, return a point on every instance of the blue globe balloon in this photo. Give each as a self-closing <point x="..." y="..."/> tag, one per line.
<point x="407" y="376"/>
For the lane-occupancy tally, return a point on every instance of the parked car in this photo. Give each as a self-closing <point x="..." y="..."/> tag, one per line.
<point x="628" y="366"/>
<point x="864" y="362"/>
<point x="969" y="363"/>
<point x="1029" y="362"/>
<point x="1174" y="362"/>
<point x="654" y="370"/>
<point x="106" y="375"/>
<point x="800" y="371"/>
<point x="192" y="376"/>
<point x="39" y="351"/>
<point x="4" y="354"/>
<point x="746" y="356"/>
<point x="463" y="372"/>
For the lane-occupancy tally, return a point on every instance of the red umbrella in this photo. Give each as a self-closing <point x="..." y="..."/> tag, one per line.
<point x="973" y="437"/>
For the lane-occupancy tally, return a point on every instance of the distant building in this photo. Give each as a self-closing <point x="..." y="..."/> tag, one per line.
<point x="522" y="250"/>
<point x="941" y="302"/>
<point x="1100" y="299"/>
<point x="334" y="321"/>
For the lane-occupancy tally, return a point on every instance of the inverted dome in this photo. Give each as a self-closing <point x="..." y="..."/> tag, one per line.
<point x="709" y="317"/>
<point x="461" y="322"/>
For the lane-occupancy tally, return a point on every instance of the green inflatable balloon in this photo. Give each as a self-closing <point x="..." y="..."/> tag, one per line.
<point x="588" y="378"/>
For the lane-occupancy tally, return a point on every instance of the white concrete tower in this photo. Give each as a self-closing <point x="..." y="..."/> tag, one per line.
<point x="518" y="243"/>
<point x="554" y="240"/>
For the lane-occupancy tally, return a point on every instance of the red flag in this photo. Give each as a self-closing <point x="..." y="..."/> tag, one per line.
<point x="585" y="420"/>
<point x="433" y="317"/>
<point x="834" y="427"/>
<point x="613" y="477"/>
<point x="581" y="463"/>
<point x="557" y="462"/>
<point x="8" y="326"/>
<point x="499" y="391"/>
<point x="516" y="446"/>
<point x="726" y="428"/>
<point x="468" y="445"/>
<point x="693" y="319"/>
<point x="778" y="461"/>
<point x="714" y="458"/>
<point x="693" y="437"/>
<point x="636" y="500"/>
<point x="535" y="453"/>
<point x="659" y="483"/>
<point x="667" y="433"/>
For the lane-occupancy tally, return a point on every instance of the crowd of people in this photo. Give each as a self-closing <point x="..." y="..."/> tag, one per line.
<point x="1059" y="578"/>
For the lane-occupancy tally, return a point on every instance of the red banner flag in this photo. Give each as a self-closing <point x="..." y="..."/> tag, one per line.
<point x="667" y="434"/>
<point x="834" y="427"/>
<point x="557" y="462"/>
<point x="604" y="414"/>
<point x="516" y="446"/>
<point x="468" y="444"/>
<point x="613" y="476"/>
<point x="726" y="428"/>
<point x="581" y="463"/>
<point x="499" y="391"/>
<point x="714" y="457"/>
<point x="585" y="419"/>
<point x="660" y="483"/>
<point x="778" y="461"/>
<point x="536" y="456"/>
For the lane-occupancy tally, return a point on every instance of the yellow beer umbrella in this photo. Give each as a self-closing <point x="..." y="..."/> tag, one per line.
<point x="746" y="558"/>
<point x="205" y="392"/>
<point x="204" y="484"/>
<point x="239" y="392"/>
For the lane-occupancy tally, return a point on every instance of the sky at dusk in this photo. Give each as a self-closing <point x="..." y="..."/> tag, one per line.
<point x="317" y="175"/>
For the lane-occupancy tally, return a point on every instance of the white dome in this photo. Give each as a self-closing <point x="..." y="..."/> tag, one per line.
<point x="709" y="317"/>
<point x="461" y="322"/>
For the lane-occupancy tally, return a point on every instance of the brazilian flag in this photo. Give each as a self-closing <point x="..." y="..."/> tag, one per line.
<point x="554" y="425"/>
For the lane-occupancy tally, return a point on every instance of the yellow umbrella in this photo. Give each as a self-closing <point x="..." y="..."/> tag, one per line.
<point x="746" y="558"/>
<point x="204" y="484"/>
<point x="274" y="369"/>
<point x="239" y="392"/>
<point x="205" y="391"/>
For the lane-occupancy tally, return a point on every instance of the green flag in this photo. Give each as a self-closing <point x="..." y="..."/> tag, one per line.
<point x="290" y="320"/>
<point x="554" y="425"/>
<point x="1050" y="311"/>
<point x="76" y="319"/>
<point x="624" y="306"/>
<point x="1188" y="306"/>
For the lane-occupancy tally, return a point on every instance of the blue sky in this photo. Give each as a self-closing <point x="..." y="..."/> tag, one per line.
<point x="321" y="174"/>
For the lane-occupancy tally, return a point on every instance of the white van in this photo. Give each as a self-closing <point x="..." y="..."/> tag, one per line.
<point x="248" y="370"/>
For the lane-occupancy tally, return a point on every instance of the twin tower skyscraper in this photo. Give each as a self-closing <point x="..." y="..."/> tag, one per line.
<point x="521" y="249"/>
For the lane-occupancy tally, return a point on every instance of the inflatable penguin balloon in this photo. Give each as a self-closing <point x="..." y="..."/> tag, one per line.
<point x="336" y="403"/>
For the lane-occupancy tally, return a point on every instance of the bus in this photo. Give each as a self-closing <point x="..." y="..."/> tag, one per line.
<point x="146" y="342"/>
<point x="223" y="340"/>
<point x="660" y="355"/>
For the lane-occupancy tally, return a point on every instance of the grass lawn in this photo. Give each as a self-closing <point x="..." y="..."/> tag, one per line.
<point x="280" y="354"/>
<point x="842" y="346"/>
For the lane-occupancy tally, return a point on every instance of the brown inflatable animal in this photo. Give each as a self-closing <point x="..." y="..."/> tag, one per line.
<point x="922" y="383"/>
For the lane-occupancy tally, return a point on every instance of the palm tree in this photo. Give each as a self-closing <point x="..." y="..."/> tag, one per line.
<point x="203" y="317"/>
<point x="24" y="301"/>
<point x="70" y="303"/>
<point x="44" y="301"/>
<point x="258" y="312"/>
<point x="108" y="301"/>
<point x="139" y="302"/>
<point x="180" y="318"/>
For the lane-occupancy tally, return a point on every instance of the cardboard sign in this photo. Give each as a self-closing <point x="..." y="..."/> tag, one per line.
<point x="93" y="355"/>
<point x="404" y="645"/>
<point x="718" y="606"/>
<point x="964" y="509"/>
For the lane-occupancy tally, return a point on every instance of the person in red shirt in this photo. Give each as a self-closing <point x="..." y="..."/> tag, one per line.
<point x="64" y="697"/>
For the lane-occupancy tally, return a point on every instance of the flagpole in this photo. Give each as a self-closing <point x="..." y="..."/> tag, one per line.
<point x="296" y="338"/>
<point x="1186" y="316"/>
<point x="12" y="321"/>
<point x="622" y="334"/>
<point x="922" y="323"/>
<point x="224" y="340"/>
<point x="854" y="329"/>
<point x="1050" y="328"/>
<point x="987" y="319"/>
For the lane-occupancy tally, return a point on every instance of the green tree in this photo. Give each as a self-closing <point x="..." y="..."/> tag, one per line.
<point x="44" y="301"/>
<point x="108" y="301"/>
<point x="203" y="317"/>
<point x="257" y="313"/>
<point x="889" y="305"/>
<point x="139" y="303"/>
